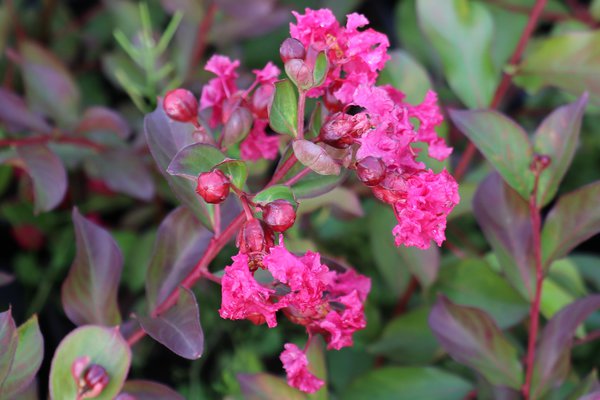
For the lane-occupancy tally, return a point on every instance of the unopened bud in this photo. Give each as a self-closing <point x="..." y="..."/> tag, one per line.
<point x="91" y="379"/>
<point x="291" y="49"/>
<point x="336" y="131"/>
<point x="96" y="376"/>
<point x="181" y="105"/>
<point x="299" y="73"/>
<point x="279" y="215"/>
<point x="370" y="170"/>
<point x="255" y="239"/>
<point x="540" y="162"/>
<point x="237" y="126"/>
<point x="261" y="100"/>
<point x="213" y="186"/>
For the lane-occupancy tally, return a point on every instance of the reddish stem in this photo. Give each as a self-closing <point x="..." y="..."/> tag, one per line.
<point x="589" y="338"/>
<point x="504" y="85"/>
<point x="403" y="302"/>
<point x="294" y="179"/>
<point x="280" y="173"/>
<point x="78" y="141"/>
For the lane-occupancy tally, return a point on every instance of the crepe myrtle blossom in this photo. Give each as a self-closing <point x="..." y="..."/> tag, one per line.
<point x="295" y="364"/>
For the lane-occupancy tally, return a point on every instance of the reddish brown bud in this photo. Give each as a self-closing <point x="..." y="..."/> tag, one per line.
<point x="291" y="49"/>
<point x="213" y="186"/>
<point x="336" y="132"/>
<point x="370" y="170"/>
<point x="181" y="105"/>
<point x="279" y="215"/>
<point x="237" y="126"/>
<point x="540" y="161"/>
<point x="255" y="239"/>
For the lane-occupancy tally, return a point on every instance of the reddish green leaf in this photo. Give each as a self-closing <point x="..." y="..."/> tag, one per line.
<point x="315" y="157"/>
<point x="504" y="218"/>
<point x="148" y="390"/>
<point x="179" y="327"/>
<point x="283" y="113"/>
<point x="99" y="121"/>
<point x="574" y="219"/>
<point x="267" y="387"/>
<point x="49" y="86"/>
<point x="553" y="353"/>
<point x="472" y="338"/>
<point x="16" y="115"/>
<point x="557" y="137"/>
<point x="180" y="243"/>
<point x="27" y="359"/>
<point x="8" y="343"/>
<point x="89" y="293"/>
<point x="273" y="193"/>
<point x="503" y="143"/>
<point x="48" y="175"/>
<point x="104" y="346"/>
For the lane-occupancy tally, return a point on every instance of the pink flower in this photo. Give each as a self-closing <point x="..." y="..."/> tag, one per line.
<point x="429" y="116"/>
<point x="295" y="364"/>
<point x="268" y="74"/>
<point x="243" y="297"/>
<point x="220" y="88"/>
<point x="258" y="145"/>
<point x="340" y="324"/>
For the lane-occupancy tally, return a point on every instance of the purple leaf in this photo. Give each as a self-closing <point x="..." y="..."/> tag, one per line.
<point x="503" y="143"/>
<point x="102" y="120"/>
<point x="267" y="387"/>
<point x="49" y="86"/>
<point x="574" y="219"/>
<point x="472" y="338"/>
<point x="124" y="172"/>
<point x="148" y="390"/>
<point x="165" y="138"/>
<point x="552" y="356"/>
<point x="8" y="343"/>
<point x="27" y="359"/>
<point x="48" y="174"/>
<point x="557" y="137"/>
<point x="315" y="157"/>
<point x="179" y="327"/>
<point x="504" y="218"/>
<point x="89" y="293"/>
<point x="16" y="115"/>
<point x="180" y="243"/>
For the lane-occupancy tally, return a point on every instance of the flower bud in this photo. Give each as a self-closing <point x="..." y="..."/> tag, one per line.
<point x="370" y="170"/>
<point x="255" y="239"/>
<point x="213" y="186"/>
<point x="336" y="131"/>
<point x="95" y="376"/>
<point x="540" y="162"/>
<point x="181" y="105"/>
<point x="237" y="126"/>
<point x="279" y="215"/>
<point x="290" y="49"/>
<point x="261" y="100"/>
<point x="299" y="73"/>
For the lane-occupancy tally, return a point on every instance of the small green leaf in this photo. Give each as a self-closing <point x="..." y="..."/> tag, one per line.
<point x="194" y="159"/>
<point x="104" y="346"/>
<point x="320" y="70"/>
<point x="283" y="114"/>
<point x="236" y="170"/>
<point x="316" y="121"/>
<point x="273" y="193"/>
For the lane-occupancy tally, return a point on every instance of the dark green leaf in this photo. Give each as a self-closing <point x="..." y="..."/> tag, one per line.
<point x="321" y="68"/>
<point x="273" y="193"/>
<point x="283" y="114"/>
<point x="89" y="293"/>
<point x="472" y="338"/>
<point x="104" y="346"/>
<point x="462" y="31"/>
<point x="503" y="143"/>
<point x="267" y="387"/>
<point x="315" y="157"/>
<point x="148" y="390"/>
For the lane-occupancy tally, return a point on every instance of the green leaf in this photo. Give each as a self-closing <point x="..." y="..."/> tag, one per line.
<point x="503" y="143"/>
<point x="472" y="282"/>
<point x="317" y="366"/>
<point x="27" y="359"/>
<point x="267" y="387"/>
<point x="9" y="340"/>
<point x="194" y="159"/>
<point x="472" y="338"/>
<point x="569" y="61"/>
<point x="104" y="346"/>
<point x="273" y="193"/>
<point x="236" y="170"/>
<point x="315" y="157"/>
<point x="405" y="73"/>
<point x="462" y="31"/>
<point x="316" y="121"/>
<point x="89" y="293"/>
<point x="320" y="69"/>
<point x="283" y="114"/>
<point x="148" y="390"/>
<point x="49" y="86"/>
<point x="408" y="383"/>
<point x="574" y="219"/>
<point x="558" y="137"/>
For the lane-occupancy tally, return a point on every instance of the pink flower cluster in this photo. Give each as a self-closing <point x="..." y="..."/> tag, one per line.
<point x="307" y="292"/>
<point x="384" y="151"/>
<point x="223" y="97"/>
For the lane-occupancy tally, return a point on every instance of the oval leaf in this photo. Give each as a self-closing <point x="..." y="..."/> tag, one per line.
<point x="89" y="293"/>
<point x="273" y="193"/>
<point x="179" y="327"/>
<point x="236" y="170"/>
<point x="48" y="174"/>
<point x="283" y="113"/>
<point x="104" y="346"/>
<point x="8" y="342"/>
<point x="148" y="390"/>
<point x="16" y="115"/>
<point x="472" y="338"/>
<point x="503" y="143"/>
<point x="315" y="157"/>
<point x="190" y="161"/>
<point x="320" y="70"/>
<point x="101" y="121"/>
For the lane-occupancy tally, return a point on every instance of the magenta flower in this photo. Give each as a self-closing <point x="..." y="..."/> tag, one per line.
<point x="220" y="88"/>
<point x="258" y="145"/>
<point x="295" y="364"/>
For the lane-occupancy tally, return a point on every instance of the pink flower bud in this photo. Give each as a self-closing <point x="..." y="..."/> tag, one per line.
<point x="291" y="49"/>
<point x="255" y="239"/>
<point x="181" y="105"/>
<point x="299" y="73"/>
<point x="336" y="131"/>
<point x="279" y="215"/>
<point x="213" y="186"/>
<point x="261" y="100"/>
<point x="96" y="376"/>
<point x="540" y="162"/>
<point x="370" y="170"/>
<point x="237" y="126"/>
